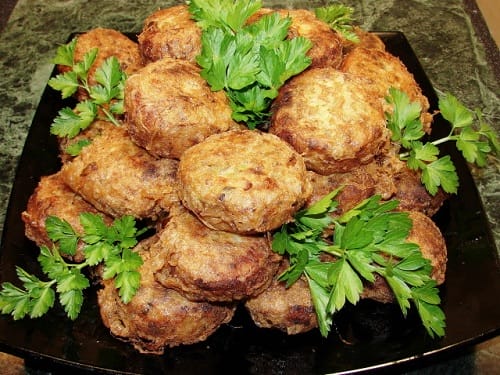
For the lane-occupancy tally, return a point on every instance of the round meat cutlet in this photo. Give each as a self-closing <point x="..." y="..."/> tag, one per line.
<point x="158" y="317"/>
<point x="170" y="32"/>
<point x="386" y="176"/>
<point x="109" y="43"/>
<point x="170" y="107"/>
<point x="385" y="70"/>
<point x="288" y="309"/>
<point x="120" y="178"/>
<point x="52" y="197"/>
<point x="209" y="265"/>
<point x="243" y="181"/>
<point x="428" y="236"/>
<point x="331" y="118"/>
<point x="326" y="47"/>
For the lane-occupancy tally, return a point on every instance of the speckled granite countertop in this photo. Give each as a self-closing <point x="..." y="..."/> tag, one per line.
<point x="457" y="58"/>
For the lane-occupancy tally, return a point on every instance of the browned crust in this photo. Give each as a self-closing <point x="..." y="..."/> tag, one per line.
<point x="170" y="32"/>
<point x="158" y="317"/>
<point x="385" y="70"/>
<point x="289" y="309"/>
<point x="170" y="107"/>
<point x="52" y="197"/>
<point x="120" y="178"/>
<point x="331" y="118"/>
<point x="243" y="181"/>
<point x="110" y="43"/>
<point x="204" y="264"/>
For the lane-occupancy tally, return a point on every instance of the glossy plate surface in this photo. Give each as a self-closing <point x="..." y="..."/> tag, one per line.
<point x="373" y="335"/>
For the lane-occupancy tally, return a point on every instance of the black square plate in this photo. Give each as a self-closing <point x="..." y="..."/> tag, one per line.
<point x="374" y="336"/>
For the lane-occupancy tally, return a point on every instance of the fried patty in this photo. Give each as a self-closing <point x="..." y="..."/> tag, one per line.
<point x="428" y="236"/>
<point x="120" y="178"/>
<point x="331" y="118"/>
<point x="244" y="181"/>
<point x="206" y="264"/>
<point x="288" y="309"/>
<point x="385" y="70"/>
<point x="412" y="194"/>
<point x="170" y="107"/>
<point x="386" y="176"/>
<point x="170" y="32"/>
<point x="158" y="317"/>
<point x="52" y="197"/>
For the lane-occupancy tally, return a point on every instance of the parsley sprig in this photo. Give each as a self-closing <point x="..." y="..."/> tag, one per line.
<point x="340" y="18"/>
<point x="473" y="137"/>
<point x="249" y="62"/>
<point x="110" y="245"/>
<point x="367" y="240"/>
<point x="106" y="96"/>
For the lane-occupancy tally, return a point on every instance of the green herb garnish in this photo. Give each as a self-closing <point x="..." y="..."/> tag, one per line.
<point x="340" y="18"/>
<point x="249" y="62"/>
<point x="110" y="245"/>
<point x="106" y="96"/>
<point x="367" y="240"/>
<point x="473" y="137"/>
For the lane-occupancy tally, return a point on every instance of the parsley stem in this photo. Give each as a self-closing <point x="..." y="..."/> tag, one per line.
<point x="110" y="117"/>
<point x="442" y="140"/>
<point x="404" y="155"/>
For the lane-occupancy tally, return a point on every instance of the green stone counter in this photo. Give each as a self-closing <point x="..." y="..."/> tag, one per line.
<point x="441" y="33"/>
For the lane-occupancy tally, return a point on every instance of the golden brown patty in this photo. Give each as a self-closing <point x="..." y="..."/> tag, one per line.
<point x="427" y="235"/>
<point x="385" y="71"/>
<point x="52" y="197"/>
<point x="288" y="309"/>
<point x="171" y="108"/>
<point x="205" y="264"/>
<point x="120" y="178"/>
<point x="331" y="118"/>
<point x="243" y="181"/>
<point x="386" y="176"/>
<point x="172" y="33"/>
<point x="158" y="317"/>
<point x="110" y="43"/>
<point x="326" y="47"/>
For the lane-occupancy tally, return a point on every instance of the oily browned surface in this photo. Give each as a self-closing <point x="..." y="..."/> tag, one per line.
<point x="206" y="264"/>
<point x="170" y="107"/>
<point x="120" y="178"/>
<point x="243" y="181"/>
<point x="158" y="317"/>
<point x="333" y="119"/>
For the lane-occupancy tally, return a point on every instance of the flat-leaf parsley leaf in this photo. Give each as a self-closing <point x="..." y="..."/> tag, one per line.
<point x="105" y="97"/>
<point x="110" y="245"/>
<point x="250" y="62"/>
<point x="368" y="240"/>
<point x="473" y="137"/>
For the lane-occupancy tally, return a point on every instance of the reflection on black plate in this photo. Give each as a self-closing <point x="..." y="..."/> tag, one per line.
<point x="369" y="335"/>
